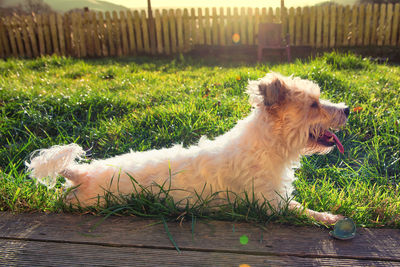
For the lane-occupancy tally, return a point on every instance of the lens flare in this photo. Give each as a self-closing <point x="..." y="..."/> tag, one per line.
<point x="236" y="38"/>
<point x="244" y="239"/>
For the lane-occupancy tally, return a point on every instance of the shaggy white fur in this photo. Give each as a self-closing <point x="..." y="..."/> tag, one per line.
<point x="260" y="153"/>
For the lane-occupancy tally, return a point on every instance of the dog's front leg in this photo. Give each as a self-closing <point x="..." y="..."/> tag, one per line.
<point x="324" y="217"/>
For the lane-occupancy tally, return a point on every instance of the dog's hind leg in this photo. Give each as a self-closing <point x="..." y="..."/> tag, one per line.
<point x="324" y="217"/>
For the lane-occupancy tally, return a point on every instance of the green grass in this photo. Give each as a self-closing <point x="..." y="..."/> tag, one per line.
<point x="110" y="106"/>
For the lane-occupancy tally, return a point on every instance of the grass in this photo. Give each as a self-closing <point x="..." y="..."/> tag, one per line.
<point x="112" y="105"/>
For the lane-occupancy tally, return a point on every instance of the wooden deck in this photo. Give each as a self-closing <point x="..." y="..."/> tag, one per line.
<point x="71" y="240"/>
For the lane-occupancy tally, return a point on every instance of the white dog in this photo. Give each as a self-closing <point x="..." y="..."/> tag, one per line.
<point x="258" y="155"/>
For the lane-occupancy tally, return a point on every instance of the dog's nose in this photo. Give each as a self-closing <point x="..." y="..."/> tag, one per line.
<point x="346" y="111"/>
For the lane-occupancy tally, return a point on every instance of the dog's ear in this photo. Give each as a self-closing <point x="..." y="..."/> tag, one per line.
<point x="273" y="91"/>
<point x="267" y="91"/>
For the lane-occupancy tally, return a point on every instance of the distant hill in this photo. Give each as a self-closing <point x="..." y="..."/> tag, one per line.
<point x="66" y="5"/>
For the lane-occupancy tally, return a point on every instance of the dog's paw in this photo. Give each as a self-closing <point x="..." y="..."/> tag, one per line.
<point x="327" y="217"/>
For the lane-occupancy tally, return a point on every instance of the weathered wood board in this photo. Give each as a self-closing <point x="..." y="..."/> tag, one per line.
<point x="64" y="239"/>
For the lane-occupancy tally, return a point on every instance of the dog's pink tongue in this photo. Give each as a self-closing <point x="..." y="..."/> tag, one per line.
<point x="336" y="140"/>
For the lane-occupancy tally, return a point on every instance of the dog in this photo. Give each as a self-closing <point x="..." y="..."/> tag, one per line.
<point x="260" y="154"/>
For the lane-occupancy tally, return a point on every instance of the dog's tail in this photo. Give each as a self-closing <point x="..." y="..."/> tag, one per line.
<point x="46" y="164"/>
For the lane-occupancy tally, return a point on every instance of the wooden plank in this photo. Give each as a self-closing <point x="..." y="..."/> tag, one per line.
<point x="388" y="26"/>
<point x="367" y="29"/>
<point x="214" y="27"/>
<point x="165" y="30"/>
<point x="96" y="33"/>
<point x="31" y="30"/>
<point x="131" y="33"/>
<point x="207" y="27"/>
<point x="10" y="29"/>
<point x="354" y="15"/>
<point x="172" y="25"/>
<point x="25" y="36"/>
<point x="186" y="30"/>
<point x="124" y="33"/>
<point x="103" y="35"/>
<point x="312" y="26"/>
<point x="271" y="17"/>
<point x="250" y="26"/>
<point x="47" y="34"/>
<point x="17" y="32"/>
<point x="325" y="28"/>
<point x="298" y="26"/>
<point x="395" y="28"/>
<point x="33" y="253"/>
<point x="318" y="38"/>
<point x="222" y="26"/>
<point x="82" y="37"/>
<point x="193" y="27"/>
<point x="179" y="30"/>
<point x="138" y="32"/>
<point x="284" y="21"/>
<point x="360" y="25"/>
<point x="40" y="33"/>
<point x="4" y="39"/>
<point x="209" y="236"/>
<point x="54" y="36"/>
<point x="109" y="33"/>
<point x="291" y="20"/>
<point x="158" y="27"/>
<point x="381" y="28"/>
<point x="88" y="31"/>
<point x="229" y="26"/>
<point x="243" y="26"/>
<point x="256" y="24"/>
<point x="235" y="24"/>
<point x="145" y="32"/>
<point x="200" y="36"/>
<point x="75" y="36"/>
<point x="339" y="26"/>
<point x="332" y="26"/>
<point x="346" y="28"/>
<point x="305" y="26"/>
<point x="61" y="34"/>
<point x="68" y="34"/>
<point x="374" y="27"/>
<point x="117" y="33"/>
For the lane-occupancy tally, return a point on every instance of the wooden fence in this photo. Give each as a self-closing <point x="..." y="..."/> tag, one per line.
<point x="90" y="34"/>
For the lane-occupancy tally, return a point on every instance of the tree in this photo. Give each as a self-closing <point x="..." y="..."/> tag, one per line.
<point x="35" y="6"/>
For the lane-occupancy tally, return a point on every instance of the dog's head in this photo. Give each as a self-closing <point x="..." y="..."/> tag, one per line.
<point x="300" y="118"/>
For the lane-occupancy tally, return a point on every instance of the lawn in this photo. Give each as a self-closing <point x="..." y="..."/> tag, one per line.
<point x="113" y="105"/>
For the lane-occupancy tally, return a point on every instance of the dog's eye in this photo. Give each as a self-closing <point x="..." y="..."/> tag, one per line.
<point x="314" y="104"/>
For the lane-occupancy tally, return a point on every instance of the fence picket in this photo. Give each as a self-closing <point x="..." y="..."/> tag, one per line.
<point x="222" y="24"/>
<point x="193" y="27"/>
<point x="145" y="32"/>
<point x="214" y="27"/>
<point x="319" y="27"/>
<point x="312" y="25"/>
<point x="291" y="26"/>
<point x="4" y="39"/>
<point x="381" y="27"/>
<point x="207" y="27"/>
<point x="360" y="25"/>
<point x="60" y="30"/>
<point x="250" y="26"/>
<point x="229" y="26"/>
<point x="138" y="32"/>
<point x="186" y="31"/>
<point x="166" y="32"/>
<point x="332" y="26"/>
<point x="395" y="24"/>
<point x="339" y="26"/>
<point x="157" y="21"/>
<point x="25" y="36"/>
<point x="298" y="26"/>
<point x="32" y="36"/>
<point x="368" y="28"/>
<point x="305" y="26"/>
<point x="179" y="30"/>
<point x="388" y="24"/>
<point x="172" y="24"/>
<point x="346" y="28"/>
<point x="374" y="33"/>
<point x="131" y="33"/>
<point x="53" y="30"/>
<point x="17" y="32"/>
<point x="103" y="35"/>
